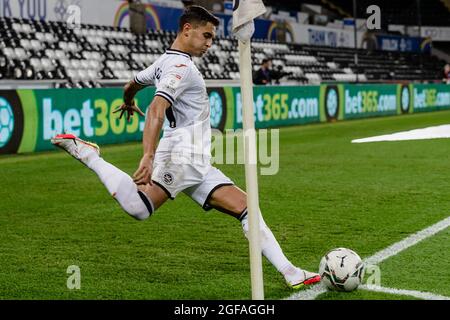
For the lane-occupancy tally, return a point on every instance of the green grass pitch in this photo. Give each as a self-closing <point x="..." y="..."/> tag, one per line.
<point x="328" y="193"/>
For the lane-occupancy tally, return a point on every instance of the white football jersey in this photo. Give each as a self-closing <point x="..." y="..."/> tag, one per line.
<point x="178" y="80"/>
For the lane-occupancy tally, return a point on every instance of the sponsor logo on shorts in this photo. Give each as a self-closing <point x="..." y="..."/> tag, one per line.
<point x="167" y="178"/>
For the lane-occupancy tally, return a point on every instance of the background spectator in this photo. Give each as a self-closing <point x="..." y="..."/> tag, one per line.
<point x="263" y="75"/>
<point x="446" y="78"/>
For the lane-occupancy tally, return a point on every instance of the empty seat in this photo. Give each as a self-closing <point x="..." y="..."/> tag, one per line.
<point x="98" y="52"/>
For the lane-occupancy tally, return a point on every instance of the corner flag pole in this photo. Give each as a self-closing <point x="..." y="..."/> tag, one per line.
<point x="251" y="178"/>
<point x="244" y="11"/>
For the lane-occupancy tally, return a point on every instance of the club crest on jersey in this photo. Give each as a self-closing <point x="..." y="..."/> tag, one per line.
<point x="167" y="178"/>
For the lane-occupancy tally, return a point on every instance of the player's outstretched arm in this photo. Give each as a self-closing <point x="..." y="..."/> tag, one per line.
<point x="153" y="125"/>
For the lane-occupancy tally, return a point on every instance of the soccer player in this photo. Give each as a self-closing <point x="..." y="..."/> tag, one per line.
<point x="181" y="160"/>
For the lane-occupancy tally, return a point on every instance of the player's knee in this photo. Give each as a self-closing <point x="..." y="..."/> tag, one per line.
<point x="137" y="211"/>
<point x="139" y="206"/>
<point x="139" y="215"/>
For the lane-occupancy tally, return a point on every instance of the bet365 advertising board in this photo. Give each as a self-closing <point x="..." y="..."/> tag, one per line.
<point x="29" y="118"/>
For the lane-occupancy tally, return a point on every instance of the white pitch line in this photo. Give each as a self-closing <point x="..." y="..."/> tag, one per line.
<point x="396" y="248"/>
<point x="309" y="294"/>
<point x="436" y="132"/>
<point x="408" y="242"/>
<point x="412" y="293"/>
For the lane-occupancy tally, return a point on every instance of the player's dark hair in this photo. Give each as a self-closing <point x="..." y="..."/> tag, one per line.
<point x="197" y="15"/>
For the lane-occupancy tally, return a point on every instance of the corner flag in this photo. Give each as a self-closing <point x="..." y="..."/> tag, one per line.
<point x="244" y="11"/>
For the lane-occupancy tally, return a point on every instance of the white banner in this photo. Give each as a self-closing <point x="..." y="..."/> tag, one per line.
<point x="323" y="36"/>
<point x="116" y="13"/>
<point x="436" y="33"/>
<point x="104" y="12"/>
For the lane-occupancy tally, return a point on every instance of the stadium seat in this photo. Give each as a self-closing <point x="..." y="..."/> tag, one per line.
<point x="96" y="53"/>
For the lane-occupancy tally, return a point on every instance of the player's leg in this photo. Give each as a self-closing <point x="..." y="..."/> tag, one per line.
<point x="233" y="201"/>
<point x="218" y="192"/>
<point x="139" y="202"/>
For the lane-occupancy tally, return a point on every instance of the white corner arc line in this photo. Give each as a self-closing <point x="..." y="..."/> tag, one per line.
<point x="408" y="242"/>
<point x="396" y="248"/>
<point x="436" y="132"/>
<point x="412" y="293"/>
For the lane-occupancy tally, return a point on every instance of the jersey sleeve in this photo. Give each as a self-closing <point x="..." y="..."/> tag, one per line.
<point x="146" y="77"/>
<point x="173" y="82"/>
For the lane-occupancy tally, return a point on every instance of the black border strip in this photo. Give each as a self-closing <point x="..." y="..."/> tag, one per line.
<point x="274" y="309"/>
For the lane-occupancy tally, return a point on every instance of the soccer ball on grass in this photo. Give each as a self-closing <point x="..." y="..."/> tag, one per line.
<point x="341" y="269"/>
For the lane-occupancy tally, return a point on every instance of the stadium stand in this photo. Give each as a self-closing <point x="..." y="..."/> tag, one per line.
<point x="404" y="12"/>
<point x="443" y="46"/>
<point x="432" y="12"/>
<point x="380" y="65"/>
<point x="92" y="55"/>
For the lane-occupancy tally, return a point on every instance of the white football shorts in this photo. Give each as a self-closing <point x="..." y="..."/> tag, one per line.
<point x="197" y="180"/>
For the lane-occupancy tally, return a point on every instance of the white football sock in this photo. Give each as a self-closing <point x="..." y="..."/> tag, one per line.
<point x="271" y="249"/>
<point x="122" y="188"/>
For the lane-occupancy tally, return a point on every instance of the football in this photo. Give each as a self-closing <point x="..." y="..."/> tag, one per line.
<point x="341" y="269"/>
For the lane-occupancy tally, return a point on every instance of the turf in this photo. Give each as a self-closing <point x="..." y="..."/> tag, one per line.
<point x="328" y="193"/>
<point x="422" y="260"/>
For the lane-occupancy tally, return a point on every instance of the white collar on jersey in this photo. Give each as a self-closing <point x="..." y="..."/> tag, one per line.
<point x="181" y="53"/>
